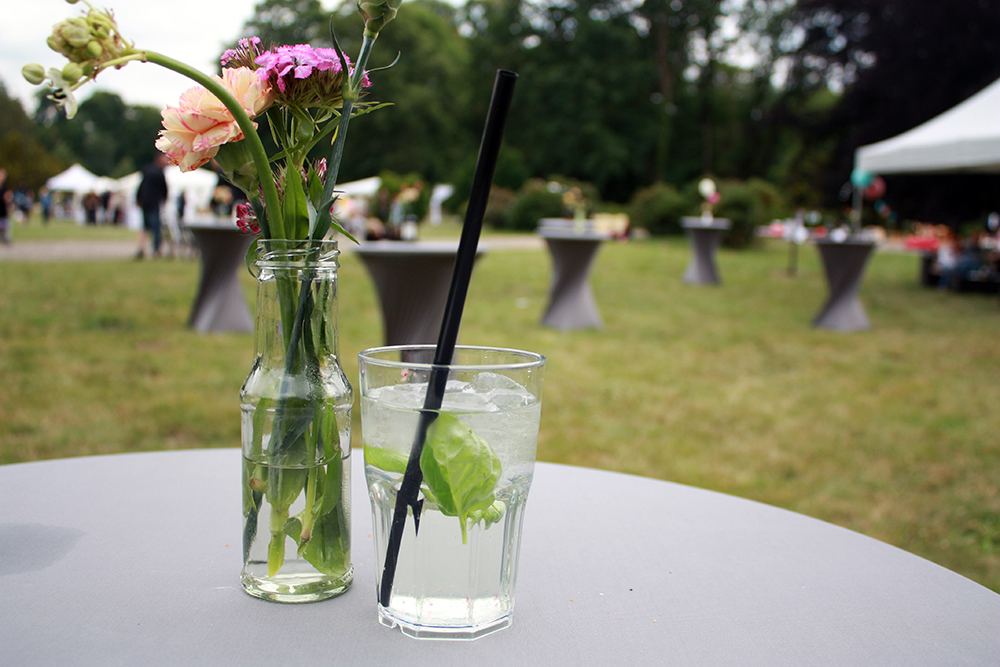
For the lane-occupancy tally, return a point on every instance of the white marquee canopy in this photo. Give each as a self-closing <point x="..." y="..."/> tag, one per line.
<point x="964" y="138"/>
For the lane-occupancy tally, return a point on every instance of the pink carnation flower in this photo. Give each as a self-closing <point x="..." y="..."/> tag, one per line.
<point x="200" y="123"/>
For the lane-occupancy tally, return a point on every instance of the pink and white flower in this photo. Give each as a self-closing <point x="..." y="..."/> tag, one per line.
<point x="200" y="123"/>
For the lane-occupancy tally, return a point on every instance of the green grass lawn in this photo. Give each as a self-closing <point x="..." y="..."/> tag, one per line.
<point x="892" y="432"/>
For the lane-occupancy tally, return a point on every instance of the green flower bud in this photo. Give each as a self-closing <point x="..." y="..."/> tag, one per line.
<point x="57" y="44"/>
<point x="72" y="2"/>
<point x="33" y="73"/>
<point x="377" y="14"/>
<point x="74" y="34"/>
<point x="94" y="49"/>
<point x="72" y="73"/>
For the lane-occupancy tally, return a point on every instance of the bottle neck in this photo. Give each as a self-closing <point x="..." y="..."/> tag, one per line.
<point x="297" y="311"/>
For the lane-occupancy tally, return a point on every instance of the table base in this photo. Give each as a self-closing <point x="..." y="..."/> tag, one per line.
<point x="844" y="264"/>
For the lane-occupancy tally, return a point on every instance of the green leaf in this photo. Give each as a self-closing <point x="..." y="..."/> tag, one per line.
<point x="460" y="468"/>
<point x="259" y="419"/>
<point x="250" y="259"/>
<point x="490" y="515"/>
<point x="284" y="485"/>
<point x="325" y="221"/>
<point x="291" y="449"/>
<point x="295" y="205"/>
<point x="331" y="484"/>
<point x="330" y="546"/>
<point x="385" y="459"/>
<point x="314" y="186"/>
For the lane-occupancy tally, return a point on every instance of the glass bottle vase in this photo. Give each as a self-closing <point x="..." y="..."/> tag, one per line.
<point x="296" y="430"/>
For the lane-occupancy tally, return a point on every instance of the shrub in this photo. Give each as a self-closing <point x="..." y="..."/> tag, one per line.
<point x="395" y="183"/>
<point x="533" y="202"/>
<point x="511" y="172"/>
<point x="659" y="208"/>
<point x="748" y="204"/>
<point x="498" y="207"/>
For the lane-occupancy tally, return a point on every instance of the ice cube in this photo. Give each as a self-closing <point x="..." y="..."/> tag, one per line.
<point x="467" y="400"/>
<point x="502" y="391"/>
<point x="406" y="395"/>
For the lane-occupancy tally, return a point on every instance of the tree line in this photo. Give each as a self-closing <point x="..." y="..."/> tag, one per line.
<point x="620" y="96"/>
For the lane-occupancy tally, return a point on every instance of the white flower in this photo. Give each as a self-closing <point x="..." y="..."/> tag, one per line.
<point x="62" y="92"/>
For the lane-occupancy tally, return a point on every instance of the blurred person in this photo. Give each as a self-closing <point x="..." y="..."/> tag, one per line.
<point x="117" y="204"/>
<point x="24" y="200"/>
<point x="947" y="260"/>
<point x="181" y="207"/>
<point x="6" y="200"/>
<point x="45" y="199"/>
<point x="91" y="202"/>
<point x="106" y="207"/>
<point x="150" y="196"/>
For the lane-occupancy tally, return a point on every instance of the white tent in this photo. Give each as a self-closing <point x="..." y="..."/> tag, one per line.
<point x="366" y="187"/>
<point x="76" y="179"/>
<point x="73" y="184"/>
<point x="964" y="138"/>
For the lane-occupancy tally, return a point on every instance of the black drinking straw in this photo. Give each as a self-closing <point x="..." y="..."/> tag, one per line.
<point x="489" y="149"/>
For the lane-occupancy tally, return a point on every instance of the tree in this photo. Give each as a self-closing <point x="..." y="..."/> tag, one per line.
<point x="108" y="137"/>
<point x="625" y="94"/>
<point x="582" y="106"/>
<point x="290" y="22"/>
<point x="678" y="32"/>
<point x="422" y="132"/>
<point x="21" y="153"/>
<point x="900" y="63"/>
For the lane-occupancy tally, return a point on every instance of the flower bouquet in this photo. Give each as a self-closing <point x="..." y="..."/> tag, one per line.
<point x="296" y="399"/>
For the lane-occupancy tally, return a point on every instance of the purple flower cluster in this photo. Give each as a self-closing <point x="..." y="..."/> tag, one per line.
<point x="301" y="75"/>
<point x="246" y="52"/>
<point x="287" y="63"/>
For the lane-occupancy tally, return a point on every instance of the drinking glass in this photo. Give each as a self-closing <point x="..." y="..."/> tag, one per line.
<point x="450" y="570"/>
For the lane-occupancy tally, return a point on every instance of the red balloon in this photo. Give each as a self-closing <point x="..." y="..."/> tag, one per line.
<point x="875" y="190"/>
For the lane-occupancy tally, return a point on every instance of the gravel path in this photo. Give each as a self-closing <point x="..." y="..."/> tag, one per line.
<point x="83" y="250"/>
<point x="65" y="251"/>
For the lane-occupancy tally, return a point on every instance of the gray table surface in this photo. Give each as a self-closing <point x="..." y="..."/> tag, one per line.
<point x="134" y="559"/>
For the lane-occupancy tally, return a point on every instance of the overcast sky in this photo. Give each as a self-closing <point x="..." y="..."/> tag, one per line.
<point x="192" y="31"/>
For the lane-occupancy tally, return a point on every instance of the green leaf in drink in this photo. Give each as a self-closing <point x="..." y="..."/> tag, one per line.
<point x="460" y="469"/>
<point x="385" y="459"/>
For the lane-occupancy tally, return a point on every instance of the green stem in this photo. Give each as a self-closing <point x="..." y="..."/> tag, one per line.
<point x="308" y="515"/>
<point x="276" y="547"/>
<point x="337" y="152"/>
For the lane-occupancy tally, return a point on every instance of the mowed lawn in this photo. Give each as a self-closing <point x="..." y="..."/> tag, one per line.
<point x="893" y="432"/>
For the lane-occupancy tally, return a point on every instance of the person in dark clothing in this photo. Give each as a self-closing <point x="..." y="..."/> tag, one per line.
<point x="151" y="195"/>
<point x="6" y="199"/>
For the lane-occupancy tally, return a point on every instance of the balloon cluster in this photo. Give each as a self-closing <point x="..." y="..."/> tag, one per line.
<point x="872" y="188"/>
